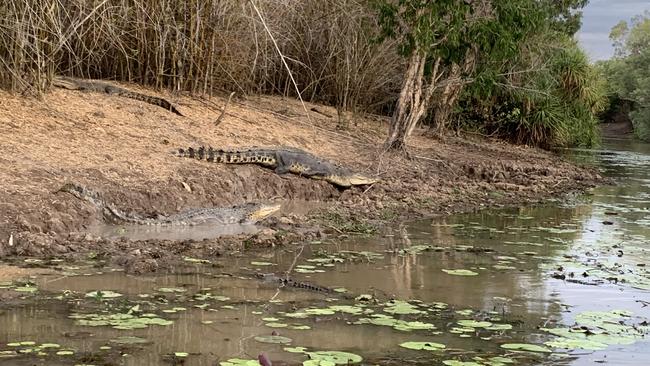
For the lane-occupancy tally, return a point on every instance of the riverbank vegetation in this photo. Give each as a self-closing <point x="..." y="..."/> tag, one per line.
<point x="628" y="73"/>
<point x="503" y="68"/>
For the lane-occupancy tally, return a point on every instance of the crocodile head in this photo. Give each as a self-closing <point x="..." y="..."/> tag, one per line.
<point x="258" y="211"/>
<point x="81" y="193"/>
<point x="350" y="179"/>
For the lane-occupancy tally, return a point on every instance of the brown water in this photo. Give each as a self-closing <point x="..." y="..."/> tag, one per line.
<point x="597" y="244"/>
<point x="191" y="232"/>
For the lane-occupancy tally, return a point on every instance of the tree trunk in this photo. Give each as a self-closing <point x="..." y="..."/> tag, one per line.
<point x="413" y="101"/>
<point x="444" y="105"/>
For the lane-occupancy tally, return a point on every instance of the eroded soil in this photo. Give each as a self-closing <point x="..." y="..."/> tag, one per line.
<point x="122" y="148"/>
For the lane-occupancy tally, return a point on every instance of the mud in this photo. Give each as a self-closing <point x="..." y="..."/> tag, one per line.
<point x="121" y="148"/>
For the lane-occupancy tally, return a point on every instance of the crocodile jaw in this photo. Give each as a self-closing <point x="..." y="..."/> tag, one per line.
<point x="351" y="180"/>
<point x="263" y="212"/>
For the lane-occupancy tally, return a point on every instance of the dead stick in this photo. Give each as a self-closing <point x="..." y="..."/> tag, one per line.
<point x="223" y="112"/>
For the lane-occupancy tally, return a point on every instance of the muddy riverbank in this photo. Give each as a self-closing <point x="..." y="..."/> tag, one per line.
<point x="561" y="283"/>
<point x="121" y="148"/>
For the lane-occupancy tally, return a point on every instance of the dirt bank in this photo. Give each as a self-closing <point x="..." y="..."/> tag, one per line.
<point x="121" y="147"/>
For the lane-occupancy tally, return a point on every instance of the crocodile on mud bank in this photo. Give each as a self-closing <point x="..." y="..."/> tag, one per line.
<point x="283" y="160"/>
<point x="240" y="214"/>
<point x="103" y="87"/>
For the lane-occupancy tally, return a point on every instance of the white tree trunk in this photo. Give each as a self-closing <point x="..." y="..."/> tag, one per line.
<point x="413" y="102"/>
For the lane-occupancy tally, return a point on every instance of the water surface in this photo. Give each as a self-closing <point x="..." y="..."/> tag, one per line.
<point x="532" y="268"/>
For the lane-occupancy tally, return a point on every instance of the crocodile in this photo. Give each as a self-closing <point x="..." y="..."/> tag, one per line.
<point x="283" y="160"/>
<point x="240" y="214"/>
<point x="103" y="87"/>
<point x="288" y="282"/>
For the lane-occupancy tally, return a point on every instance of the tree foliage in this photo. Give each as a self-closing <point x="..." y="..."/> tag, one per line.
<point x="479" y="60"/>
<point x="443" y="41"/>
<point x="628" y="73"/>
<point x="549" y="95"/>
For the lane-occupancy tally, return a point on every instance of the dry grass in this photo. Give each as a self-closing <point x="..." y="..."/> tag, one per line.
<point x="202" y="47"/>
<point x="121" y="148"/>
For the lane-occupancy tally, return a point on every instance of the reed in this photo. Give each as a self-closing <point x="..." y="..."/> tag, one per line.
<point x="202" y="47"/>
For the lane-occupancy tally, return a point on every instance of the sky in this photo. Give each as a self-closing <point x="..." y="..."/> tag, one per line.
<point x="599" y="16"/>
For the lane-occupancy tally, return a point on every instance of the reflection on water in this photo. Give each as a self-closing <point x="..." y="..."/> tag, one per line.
<point x="535" y="267"/>
<point x="190" y="232"/>
<point x="169" y="232"/>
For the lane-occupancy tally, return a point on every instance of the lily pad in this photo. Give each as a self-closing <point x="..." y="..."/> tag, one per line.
<point x="474" y="324"/>
<point x="426" y="346"/>
<point x="402" y="308"/>
<point x="460" y="363"/>
<point x="103" y="294"/>
<point x="239" y="362"/>
<point x="525" y="347"/>
<point x="460" y="272"/>
<point x="334" y="357"/>
<point x="273" y="339"/>
<point x="262" y="264"/>
<point x="295" y="349"/>
<point x="171" y="289"/>
<point x="568" y="343"/>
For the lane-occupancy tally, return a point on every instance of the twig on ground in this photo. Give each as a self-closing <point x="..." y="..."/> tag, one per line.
<point x="314" y="109"/>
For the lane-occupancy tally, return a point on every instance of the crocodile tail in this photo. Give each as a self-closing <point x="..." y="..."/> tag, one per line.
<point x="264" y="157"/>
<point x="200" y="153"/>
<point x="161" y="102"/>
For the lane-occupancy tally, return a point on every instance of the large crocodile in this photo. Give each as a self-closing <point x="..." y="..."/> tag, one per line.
<point x="246" y="213"/>
<point x="283" y="160"/>
<point x="103" y="87"/>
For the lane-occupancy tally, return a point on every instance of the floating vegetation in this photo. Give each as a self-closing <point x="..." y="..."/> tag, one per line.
<point x="415" y="249"/>
<point x="121" y="321"/>
<point x="362" y="255"/>
<point x="525" y="347"/>
<point x="596" y="330"/>
<point x="425" y="346"/>
<point x="401" y="307"/>
<point x="196" y="260"/>
<point x="460" y="272"/>
<point x="326" y="358"/>
<point x="397" y="324"/>
<point x="299" y="327"/>
<point x="474" y="324"/>
<point x="171" y="289"/>
<point x="263" y="264"/>
<point x="103" y="294"/>
<point x="239" y="362"/>
<point x="273" y="339"/>
<point x="209" y="296"/>
<point x="28" y="287"/>
<point x="29" y="347"/>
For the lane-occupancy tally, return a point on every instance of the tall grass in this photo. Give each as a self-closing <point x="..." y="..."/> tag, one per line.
<point x="201" y="46"/>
